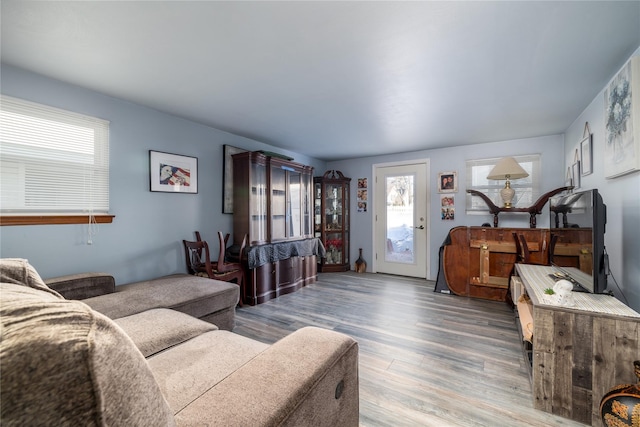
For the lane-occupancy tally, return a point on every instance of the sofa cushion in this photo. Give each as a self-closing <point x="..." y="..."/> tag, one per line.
<point x="155" y="330"/>
<point x="83" y="285"/>
<point x="308" y="378"/>
<point x="188" y="294"/>
<point x="65" y="364"/>
<point x="19" y="272"/>
<point x="204" y="361"/>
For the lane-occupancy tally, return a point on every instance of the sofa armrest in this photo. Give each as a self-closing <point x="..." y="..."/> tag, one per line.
<point x="84" y="285"/>
<point x="309" y="377"/>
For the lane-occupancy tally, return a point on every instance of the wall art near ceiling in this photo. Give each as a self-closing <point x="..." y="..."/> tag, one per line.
<point x="568" y="179"/>
<point x="575" y="169"/>
<point x="173" y="173"/>
<point x="586" y="152"/>
<point x="448" y="182"/>
<point x="622" y="121"/>
<point x="575" y="173"/>
<point x="227" y="178"/>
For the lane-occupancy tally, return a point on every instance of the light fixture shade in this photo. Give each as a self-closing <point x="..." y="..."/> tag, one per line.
<point x="507" y="168"/>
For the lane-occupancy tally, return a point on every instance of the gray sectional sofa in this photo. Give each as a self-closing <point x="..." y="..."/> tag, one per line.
<point x="210" y="300"/>
<point x="139" y="355"/>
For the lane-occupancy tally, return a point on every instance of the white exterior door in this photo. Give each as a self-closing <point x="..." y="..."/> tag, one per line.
<point x="400" y="219"/>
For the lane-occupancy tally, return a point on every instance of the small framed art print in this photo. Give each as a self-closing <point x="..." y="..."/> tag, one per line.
<point x="173" y="173"/>
<point x="448" y="182"/>
<point x="585" y="155"/>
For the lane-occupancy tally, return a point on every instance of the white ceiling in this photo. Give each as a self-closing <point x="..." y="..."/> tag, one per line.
<point x="337" y="80"/>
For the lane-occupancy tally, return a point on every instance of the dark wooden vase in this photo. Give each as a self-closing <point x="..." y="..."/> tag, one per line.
<point x="621" y="405"/>
<point x="361" y="264"/>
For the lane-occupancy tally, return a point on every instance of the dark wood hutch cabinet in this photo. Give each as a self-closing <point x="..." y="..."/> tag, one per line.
<point x="331" y="206"/>
<point x="272" y="202"/>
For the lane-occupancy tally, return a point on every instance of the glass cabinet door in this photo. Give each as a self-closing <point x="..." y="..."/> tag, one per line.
<point x="333" y="223"/>
<point x="346" y="222"/>
<point x="331" y="207"/>
<point x="258" y="203"/>
<point x="317" y="209"/>
<point x="294" y="205"/>
<point x="274" y="199"/>
<point x="307" y="205"/>
<point x="278" y="203"/>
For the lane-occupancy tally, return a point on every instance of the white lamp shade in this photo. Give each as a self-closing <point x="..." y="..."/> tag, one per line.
<point x="507" y="168"/>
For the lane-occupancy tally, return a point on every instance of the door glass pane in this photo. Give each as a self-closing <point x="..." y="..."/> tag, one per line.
<point x="400" y="209"/>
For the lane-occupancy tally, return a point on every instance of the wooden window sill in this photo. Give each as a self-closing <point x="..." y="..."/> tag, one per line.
<point x="53" y="219"/>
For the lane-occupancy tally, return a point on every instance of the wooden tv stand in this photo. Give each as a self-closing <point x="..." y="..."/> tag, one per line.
<point x="578" y="352"/>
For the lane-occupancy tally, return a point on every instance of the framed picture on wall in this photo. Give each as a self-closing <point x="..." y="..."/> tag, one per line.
<point x="568" y="179"/>
<point x="585" y="156"/>
<point x="622" y="121"/>
<point x="448" y="182"/>
<point x="173" y="173"/>
<point x="447" y="207"/>
<point x="575" y="174"/>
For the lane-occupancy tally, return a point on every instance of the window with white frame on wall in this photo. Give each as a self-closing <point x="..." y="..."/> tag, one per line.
<point x="527" y="189"/>
<point x="53" y="163"/>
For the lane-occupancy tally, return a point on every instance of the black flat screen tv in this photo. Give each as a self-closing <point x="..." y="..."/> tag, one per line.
<point x="578" y="224"/>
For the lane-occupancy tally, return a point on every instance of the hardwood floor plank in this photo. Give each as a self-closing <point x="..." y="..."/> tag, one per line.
<point x="426" y="358"/>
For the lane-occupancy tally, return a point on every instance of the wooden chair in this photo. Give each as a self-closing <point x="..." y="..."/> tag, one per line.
<point x="522" y="249"/>
<point x="199" y="262"/>
<point x="523" y="256"/>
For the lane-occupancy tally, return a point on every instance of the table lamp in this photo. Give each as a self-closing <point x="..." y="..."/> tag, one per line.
<point x="507" y="168"/>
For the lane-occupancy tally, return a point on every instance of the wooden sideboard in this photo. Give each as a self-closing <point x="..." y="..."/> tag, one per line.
<point x="280" y="268"/>
<point x="579" y="352"/>
<point x="277" y="278"/>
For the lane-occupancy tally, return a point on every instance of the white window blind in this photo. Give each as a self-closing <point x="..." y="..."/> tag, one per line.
<point x="527" y="189"/>
<point x="52" y="161"/>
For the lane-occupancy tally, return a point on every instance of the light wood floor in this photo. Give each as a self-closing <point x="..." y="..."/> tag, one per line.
<point x="426" y="358"/>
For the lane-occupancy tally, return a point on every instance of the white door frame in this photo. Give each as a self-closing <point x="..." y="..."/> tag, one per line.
<point x="374" y="171"/>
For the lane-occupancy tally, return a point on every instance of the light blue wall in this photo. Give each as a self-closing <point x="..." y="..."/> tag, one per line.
<point x="622" y="197"/>
<point x="450" y="159"/>
<point x="145" y="239"/>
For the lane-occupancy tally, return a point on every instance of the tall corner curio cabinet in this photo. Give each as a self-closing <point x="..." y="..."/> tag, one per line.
<point x="331" y="207"/>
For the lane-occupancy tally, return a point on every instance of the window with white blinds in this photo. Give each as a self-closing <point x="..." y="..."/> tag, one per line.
<point x="527" y="189"/>
<point x="52" y="161"/>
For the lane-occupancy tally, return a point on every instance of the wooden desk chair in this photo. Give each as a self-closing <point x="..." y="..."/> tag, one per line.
<point x="523" y="256"/>
<point x="522" y="249"/>
<point x="199" y="263"/>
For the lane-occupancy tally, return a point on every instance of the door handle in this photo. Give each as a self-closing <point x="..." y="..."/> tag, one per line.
<point x="420" y="228"/>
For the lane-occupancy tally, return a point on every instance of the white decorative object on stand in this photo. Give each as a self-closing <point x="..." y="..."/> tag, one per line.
<point x="564" y="293"/>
